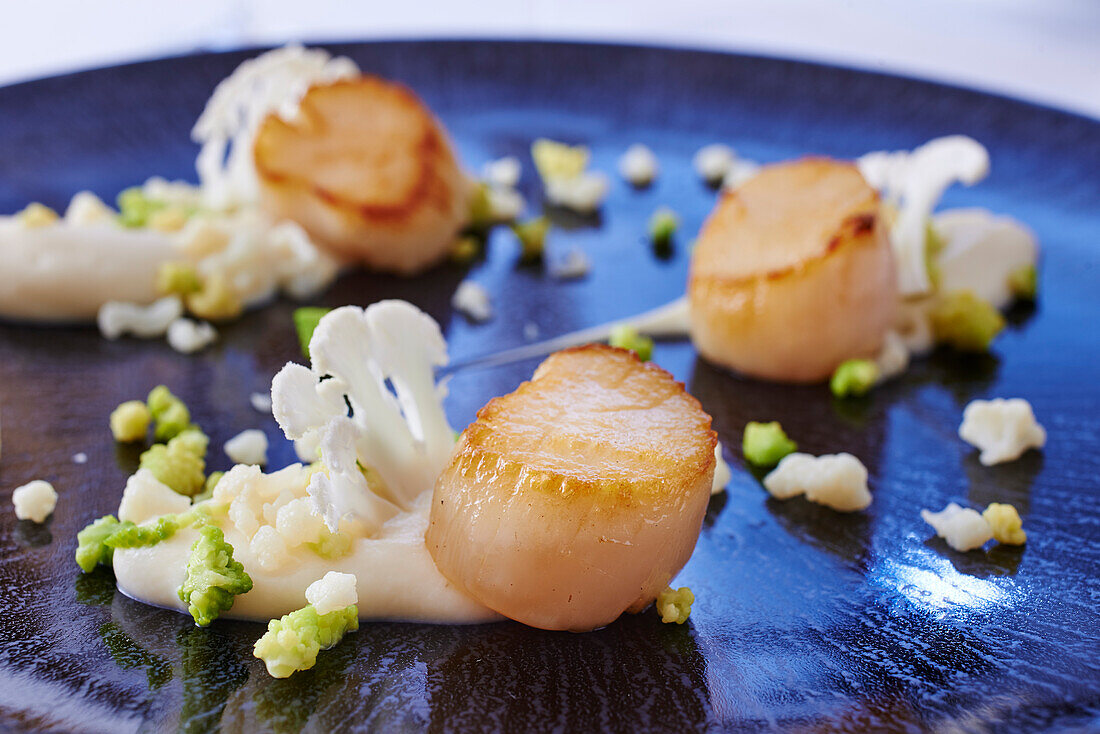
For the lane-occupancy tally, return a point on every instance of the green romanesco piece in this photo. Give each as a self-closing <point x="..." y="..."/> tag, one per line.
<point x="764" y="444"/>
<point x="208" y="488"/>
<point x="217" y="301"/>
<point x="213" y="577"/>
<point x="292" y="642"/>
<point x="662" y="225"/>
<point x="135" y="208"/>
<point x="558" y="161"/>
<point x="169" y="413"/>
<point x="854" y="377"/>
<point x="627" y="337"/>
<point x="532" y="238"/>
<point x="181" y="463"/>
<point x="306" y="319"/>
<point x="178" y="278"/>
<point x="966" y="322"/>
<point x="1024" y="282"/>
<point x="130" y="535"/>
<point x="91" y="550"/>
<point x="330" y="545"/>
<point x="481" y="208"/>
<point x="130" y="421"/>
<point x="465" y="250"/>
<point x="674" y="605"/>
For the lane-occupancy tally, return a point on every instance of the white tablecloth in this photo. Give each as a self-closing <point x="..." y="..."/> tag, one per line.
<point x="1043" y="50"/>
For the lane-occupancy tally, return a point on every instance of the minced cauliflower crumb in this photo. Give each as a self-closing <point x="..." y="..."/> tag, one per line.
<point x="130" y="421"/>
<point x="638" y="165"/>
<point x="248" y="447"/>
<point x="674" y="605"/>
<point x="1001" y="429"/>
<point x="962" y="528"/>
<point x="332" y="592"/>
<point x="713" y="162"/>
<point x="1005" y="523"/>
<point x="838" y="481"/>
<point x="472" y="300"/>
<point x="34" y="501"/>
<point x="268" y="548"/>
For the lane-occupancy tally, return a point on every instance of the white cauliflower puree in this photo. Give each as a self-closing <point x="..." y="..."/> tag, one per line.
<point x="67" y="268"/>
<point x="362" y="509"/>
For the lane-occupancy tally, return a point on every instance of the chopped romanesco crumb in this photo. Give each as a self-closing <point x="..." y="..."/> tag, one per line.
<point x="169" y="412"/>
<point x="764" y="444"/>
<point x="854" y="377"/>
<point x="1006" y="523"/>
<point x="91" y="550"/>
<point x="331" y="545"/>
<point x="130" y="535"/>
<point x="135" y="208"/>
<point x="481" y="208"/>
<point x="662" y="225"/>
<point x="1024" y="282"/>
<point x="37" y="215"/>
<point x="208" y="487"/>
<point x="213" y="577"/>
<point x="130" y="421"/>
<point x="532" y="238"/>
<point x="292" y="642"/>
<point x="181" y="463"/>
<point x="556" y="160"/>
<point x="465" y="250"/>
<point x="674" y="605"/>
<point x="179" y="279"/>
<point x="217" y="301"/>
<point x="965" y="321"/>
<point x="627" y="337"/>
<point x="305" y="323"/>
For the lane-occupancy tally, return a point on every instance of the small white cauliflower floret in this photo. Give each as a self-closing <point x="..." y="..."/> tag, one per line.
<point x="146" y="497"/>
<point x="575" y="264"/>
<point x="87" y="208"/>
<point x="187" y="336"/>
<point x="893" y="358"/>
<point x="962" y="528"/>
<point x="503" y="172"/>
<point x="915" y="182"/>
<point x="261" y="402"/>
<point x="1001" y="429"/>
<point x="583" y="194"/>
<point x="297" y="522"/>
<point x="332" y="592"/>
<point x="505" y="205"/>
<point x="269" y="548"/>
<point x="34" y="501"/>
<point x="473" y="300"/>
<point x="838" y="481"/>
<point x="116" y="318"/>
<point x="713" y="162"/>
<point x="247" y="447"/>
<point x="638" y="165"/>
<point x="722" y="473"/>
<point x="739" y="172"/>
<point x="381" y="361"/>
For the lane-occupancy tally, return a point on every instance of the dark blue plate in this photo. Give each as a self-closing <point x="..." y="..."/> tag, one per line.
<point x="805" y="619"/>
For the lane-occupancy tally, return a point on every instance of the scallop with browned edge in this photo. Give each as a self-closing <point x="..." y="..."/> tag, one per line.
<point x="577" y="497"/>
<point x="368" y="171"/>
<point x="793" y="273"/>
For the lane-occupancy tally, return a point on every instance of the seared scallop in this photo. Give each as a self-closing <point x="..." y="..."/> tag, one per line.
<point x="793" y="273"/>
<point x="368" y="171"/>
<point x="577" y="497"/>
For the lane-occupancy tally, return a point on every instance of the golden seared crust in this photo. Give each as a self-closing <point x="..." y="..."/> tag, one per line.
<point x="594" y="419"/>
<point x="784" y="218"/>
<point x="338" y="147"/>
<point x="368" y="171"/>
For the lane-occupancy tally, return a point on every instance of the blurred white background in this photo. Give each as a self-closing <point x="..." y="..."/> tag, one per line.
<point x="1047" y="51"/>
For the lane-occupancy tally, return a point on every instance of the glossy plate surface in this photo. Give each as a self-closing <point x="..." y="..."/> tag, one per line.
<point x="805" y="619"/>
